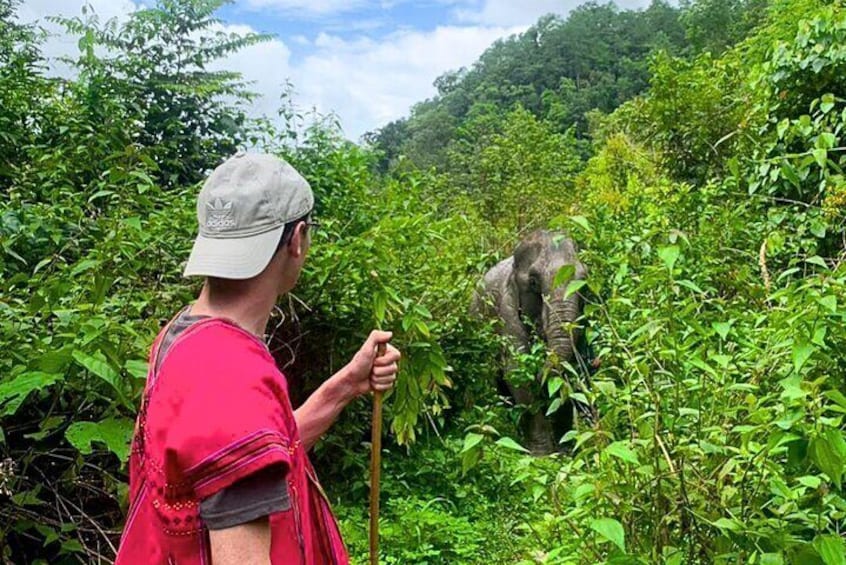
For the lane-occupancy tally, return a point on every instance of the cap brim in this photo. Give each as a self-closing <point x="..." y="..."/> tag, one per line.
<point x="232" y="258"/>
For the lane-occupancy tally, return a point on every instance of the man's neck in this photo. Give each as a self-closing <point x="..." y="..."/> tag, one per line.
<point x="247" y="303"/>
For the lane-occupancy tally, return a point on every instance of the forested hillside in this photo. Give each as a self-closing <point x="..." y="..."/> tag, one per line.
<point x="695" y="154"/>
<point x="561" y="70"/>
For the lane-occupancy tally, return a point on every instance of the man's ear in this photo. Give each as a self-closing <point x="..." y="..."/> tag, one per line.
<point x="296" y="246"/>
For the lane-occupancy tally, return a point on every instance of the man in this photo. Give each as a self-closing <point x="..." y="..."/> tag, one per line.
<point x="219" y="471"/>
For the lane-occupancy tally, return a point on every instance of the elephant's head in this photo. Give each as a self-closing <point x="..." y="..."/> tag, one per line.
<point x="543" y="308"/>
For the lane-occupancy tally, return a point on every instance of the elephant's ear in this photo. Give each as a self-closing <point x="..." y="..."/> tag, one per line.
<point x="527" y="252"/>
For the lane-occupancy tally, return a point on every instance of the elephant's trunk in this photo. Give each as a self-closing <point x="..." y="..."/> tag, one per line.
<point x="559" y="313"/>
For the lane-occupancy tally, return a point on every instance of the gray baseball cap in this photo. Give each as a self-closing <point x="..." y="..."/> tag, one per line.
<point x="242" y="210"/>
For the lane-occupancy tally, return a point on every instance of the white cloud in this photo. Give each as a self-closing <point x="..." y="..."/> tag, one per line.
<point x="366" y="82"/>
<point x="58" y="44"/>
<point x="371" y="82"/>
<point x="32" y="10"/>
<point x="307" y="7"/>
<point x="265" y="65"/>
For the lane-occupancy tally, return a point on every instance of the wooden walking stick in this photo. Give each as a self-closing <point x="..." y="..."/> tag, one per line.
<point x="375" y="467"/>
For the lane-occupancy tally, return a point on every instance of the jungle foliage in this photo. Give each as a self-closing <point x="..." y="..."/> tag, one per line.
<point x="696" y="154"/>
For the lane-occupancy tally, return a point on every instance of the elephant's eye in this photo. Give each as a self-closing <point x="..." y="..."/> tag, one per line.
<point x="534" y="282"/>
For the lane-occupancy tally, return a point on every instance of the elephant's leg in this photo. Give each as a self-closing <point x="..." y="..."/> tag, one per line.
<point x="563" y="420"/>
<point x="535" y="426"/>
<point x="540" y="433"/>
<point x="517" y="341"/>
<point x="536" y="429"/>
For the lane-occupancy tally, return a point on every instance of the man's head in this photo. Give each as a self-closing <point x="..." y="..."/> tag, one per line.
<point x="253" y="213"/>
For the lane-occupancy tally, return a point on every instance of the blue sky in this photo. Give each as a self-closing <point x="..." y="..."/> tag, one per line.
<point x="373" y="19"/>
<point x="367" y="61"/>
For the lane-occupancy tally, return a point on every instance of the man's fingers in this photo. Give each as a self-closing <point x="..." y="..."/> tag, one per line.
<point x="378" y="336"/>
<point x="382" y="383"/>
<point x="385" y="370"/>
<point x="392" y="355"/>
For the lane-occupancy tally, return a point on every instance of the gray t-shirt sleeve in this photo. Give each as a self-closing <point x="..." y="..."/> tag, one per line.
<point x="258" y="495"/>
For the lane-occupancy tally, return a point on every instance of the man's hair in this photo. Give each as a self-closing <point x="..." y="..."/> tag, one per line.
<point x="288" y="231"/>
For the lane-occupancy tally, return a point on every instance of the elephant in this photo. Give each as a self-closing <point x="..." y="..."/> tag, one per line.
<point x="519" y="293"/>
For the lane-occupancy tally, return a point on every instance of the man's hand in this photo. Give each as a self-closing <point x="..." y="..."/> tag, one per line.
<point x="367" y="372"/>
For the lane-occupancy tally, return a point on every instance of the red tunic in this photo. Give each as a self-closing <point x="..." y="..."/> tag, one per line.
<point x="216" y="411"/>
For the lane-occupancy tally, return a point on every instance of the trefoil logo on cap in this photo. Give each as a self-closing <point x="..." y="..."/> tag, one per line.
<point x="220" y="215"/>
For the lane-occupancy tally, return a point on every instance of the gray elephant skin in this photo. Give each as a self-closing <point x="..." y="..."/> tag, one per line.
<point x="518" y="292"/>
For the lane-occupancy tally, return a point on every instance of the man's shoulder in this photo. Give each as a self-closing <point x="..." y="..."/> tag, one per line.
<point x="215" y="345"/>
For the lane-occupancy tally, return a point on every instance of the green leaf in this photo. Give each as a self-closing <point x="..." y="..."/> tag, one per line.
<point x="380" y="306"/>
<point x="49" y="534"/>
<point x="100" y="194"/>
<point x="563" y="275"/>
<point x="14" y="392"/>
<point x="469" y="459"/>
<point x="137" y="368"/>
<point x="574" y="287"/>
<point x="828" y="452"/>
<point x="827" y="103"/>
<point x="71" y="546"/>
<point x="817" y="260"/>
<point x="582" y="222"/>
<point x="621" y="450"/>
<point x="691" y="285"/>
<point x="28" y="497"/>
<point x="471" y="440"/>
<point x="509" y="443"/>
<point x="771" y="559"/>
<point x="722" y="328"/>
<point x="422" y="328"/>
<point x="554" y="406"/>
<point x="610" y="529"/>
<point x="829" y="303"/>
<point x="792" y="387"/>
<point x="84" y="265"/>
<point x="788" y="172"/>
<point x="831" y="548"/>
<point x="820" y="156"/>
<point x="802" y="351"/>
<point x="826" y="140"/>
<point x="115" y="433"/>
<point x="818" y="228"/>
<point x="782" y="127"/>
<point x="42" y="263"/>
<point x="837" y="397"/>
<point x="98" y="365"/>
<point x="727" y="524"/>
<point x="133" y="222"/>
<point x="553" y="385"/>
<point x="669" y="255"/>
<point x="809" y="481"/>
